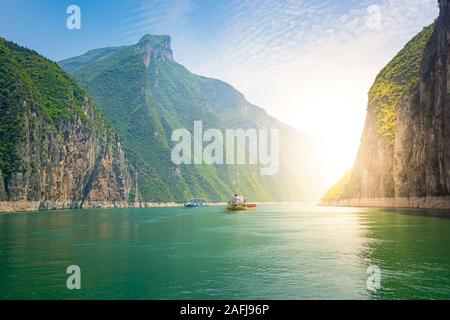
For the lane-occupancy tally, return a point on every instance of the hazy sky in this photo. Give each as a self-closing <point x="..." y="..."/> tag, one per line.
<point x="309" y="63"/>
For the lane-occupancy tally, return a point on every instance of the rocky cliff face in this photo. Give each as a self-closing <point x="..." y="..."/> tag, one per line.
<point x="2" y="188"/>
<point x="405" y="148"/>
<point x="55" y="148"/>
<point x="72" y="167"/>
<point x="155" y="47"/>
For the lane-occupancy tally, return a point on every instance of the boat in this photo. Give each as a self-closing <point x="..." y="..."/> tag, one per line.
<point x="239" y="203"/>
<point x="195" y="203"/>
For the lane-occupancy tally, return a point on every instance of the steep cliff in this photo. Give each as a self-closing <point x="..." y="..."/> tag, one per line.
<point x="404" y="156"/>
<point x="147" y="95"/>
<point x="2" y="188"/>
<point x="56" y="150"/>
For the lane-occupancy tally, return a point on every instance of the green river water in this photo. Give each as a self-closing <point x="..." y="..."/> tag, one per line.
<point x="274" y="252"/>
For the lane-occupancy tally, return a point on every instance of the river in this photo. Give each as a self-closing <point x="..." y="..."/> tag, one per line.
<point x="275" y="252"/>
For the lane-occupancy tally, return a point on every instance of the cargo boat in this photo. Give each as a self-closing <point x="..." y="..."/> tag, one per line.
<point x="239" y="203"/>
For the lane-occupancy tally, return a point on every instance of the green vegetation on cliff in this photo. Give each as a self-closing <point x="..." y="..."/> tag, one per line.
<point x="30" y="83"/>
<point x="374" y="163"/>
<point x="50" y="89"/>
<point x="39" y="103"/>
<point x="397" y="78"/>
<point x="337" y="191"/>
<point x="14" y="85"/>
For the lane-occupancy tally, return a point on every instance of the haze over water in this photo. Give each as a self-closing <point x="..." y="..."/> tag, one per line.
<point x="275" y="252"/>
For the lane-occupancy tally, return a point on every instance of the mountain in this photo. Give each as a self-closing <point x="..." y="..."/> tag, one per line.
<point x="147" y="95"/>
<point x="56" y="149"/>
<point x="404" y="157"/>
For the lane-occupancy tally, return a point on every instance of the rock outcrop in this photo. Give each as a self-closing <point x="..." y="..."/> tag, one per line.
<point x="155" y="47"/>
<point x="57" y="150"/>
<point x="404" y="158"/>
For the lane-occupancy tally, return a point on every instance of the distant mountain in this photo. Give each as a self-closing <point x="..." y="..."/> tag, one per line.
<point x="146" y="95"/>
<point x="404" y="158"/>
<point x="56" y="149"/>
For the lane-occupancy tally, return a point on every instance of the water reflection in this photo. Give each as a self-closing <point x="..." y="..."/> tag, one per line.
<point x="276" y="252"/>
<point x="412" y="249"/>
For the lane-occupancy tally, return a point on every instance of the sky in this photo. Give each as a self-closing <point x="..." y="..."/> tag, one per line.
<point x="310" y="63"/>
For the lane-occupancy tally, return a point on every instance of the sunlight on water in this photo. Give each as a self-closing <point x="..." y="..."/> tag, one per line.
<point x="275" y="252"/>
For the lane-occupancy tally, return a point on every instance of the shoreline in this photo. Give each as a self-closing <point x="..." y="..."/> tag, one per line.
<point x="431" y="203"/>
<point x="38" y="206"/>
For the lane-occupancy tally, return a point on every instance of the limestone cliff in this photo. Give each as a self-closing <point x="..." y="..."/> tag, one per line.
<point x="404" y="158"/>
<point x="56" y="150"/>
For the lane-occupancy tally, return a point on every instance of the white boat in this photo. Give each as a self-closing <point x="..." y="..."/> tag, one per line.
<point x="195" y="203"/>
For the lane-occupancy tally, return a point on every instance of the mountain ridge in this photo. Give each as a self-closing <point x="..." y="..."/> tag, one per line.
<point x="169" y="96"/>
